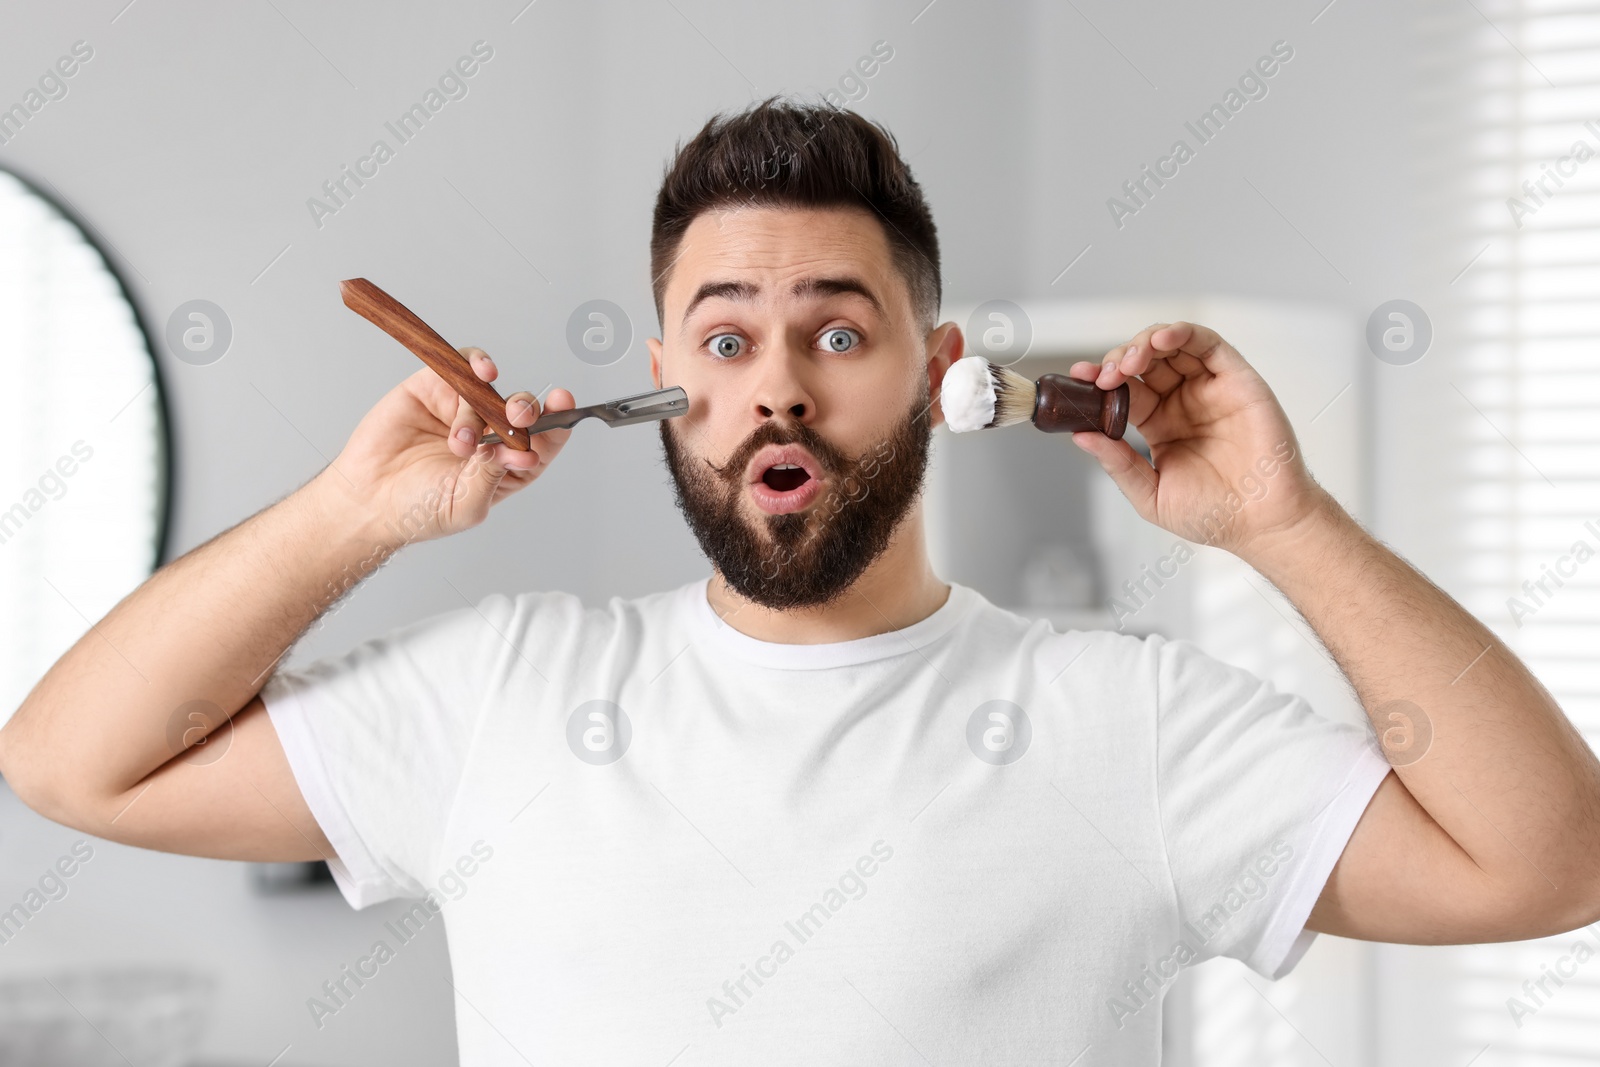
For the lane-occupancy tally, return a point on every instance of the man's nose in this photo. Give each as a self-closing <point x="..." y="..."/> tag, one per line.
<point x="781" y="383"/>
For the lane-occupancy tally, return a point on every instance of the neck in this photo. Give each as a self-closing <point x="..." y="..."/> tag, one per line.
<point x="898" y="588"/>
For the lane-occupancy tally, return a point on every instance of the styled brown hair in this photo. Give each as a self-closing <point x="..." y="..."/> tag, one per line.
<point x="780" y="153"/>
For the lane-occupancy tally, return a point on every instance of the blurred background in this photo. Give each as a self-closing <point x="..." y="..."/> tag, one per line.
<point x="1399" y="226"/>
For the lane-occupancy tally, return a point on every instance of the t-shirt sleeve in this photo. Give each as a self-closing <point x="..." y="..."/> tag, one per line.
<point x="1258" y="796"/>
<point x="378" y="738"/>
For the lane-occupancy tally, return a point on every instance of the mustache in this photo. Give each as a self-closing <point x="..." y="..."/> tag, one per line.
<point x="781" y="433"/>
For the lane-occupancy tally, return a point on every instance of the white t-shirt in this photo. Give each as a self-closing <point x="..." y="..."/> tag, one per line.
<point x="655" y="839"/>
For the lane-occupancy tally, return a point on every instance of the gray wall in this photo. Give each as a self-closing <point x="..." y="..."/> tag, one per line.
<point x="194" y="137"/>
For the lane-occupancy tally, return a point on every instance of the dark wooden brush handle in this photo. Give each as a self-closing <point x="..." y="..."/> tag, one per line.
<point x="1067" y="405"/>
<point x="396" y="320"/>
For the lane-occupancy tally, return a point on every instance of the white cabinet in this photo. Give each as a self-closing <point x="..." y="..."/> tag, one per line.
<point x="1003" y="504"/>
<point x="1009" y="504"/>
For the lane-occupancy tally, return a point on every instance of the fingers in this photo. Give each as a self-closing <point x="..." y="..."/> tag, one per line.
<point x="1149" y="378"/>
<point x="548" y="445"/>
<point x="1139" y="357"/>
<point x="1142" y="399"/>
<point x="1132" y="472"/>
<point x="1112" y="372"/>
<point x="467" y="425"/>
<point x="482" y="363"/>
<point x="523" y="408"/>
<point x="560" y="400"/>
<point x="465" y="429"/>
<point x="1190" y="349"/>
<point x="1163" y="355"/>
<point x="1160" y="370"/>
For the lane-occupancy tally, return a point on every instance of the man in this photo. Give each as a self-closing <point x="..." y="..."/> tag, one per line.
<point x="822" y="806"/>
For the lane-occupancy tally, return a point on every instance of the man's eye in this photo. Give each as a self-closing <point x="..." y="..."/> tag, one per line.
<point x="725" y="345"/>
<point x="840" y="339"/>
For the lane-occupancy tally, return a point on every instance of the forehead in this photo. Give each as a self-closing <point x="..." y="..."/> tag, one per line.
<point x="775" y="247"/>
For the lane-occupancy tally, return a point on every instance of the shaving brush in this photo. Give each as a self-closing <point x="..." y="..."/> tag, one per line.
<point x="978" y="395"/>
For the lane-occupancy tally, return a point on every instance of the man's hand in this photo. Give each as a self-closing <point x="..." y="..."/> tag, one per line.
<point x="413" y="463"/>
<point x="1228" y="470"/>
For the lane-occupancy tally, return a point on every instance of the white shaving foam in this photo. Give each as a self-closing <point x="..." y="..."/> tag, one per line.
<point x="967" y="395"/>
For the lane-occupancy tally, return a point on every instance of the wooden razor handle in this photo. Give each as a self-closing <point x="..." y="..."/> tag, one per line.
<point x="396" y="320"/>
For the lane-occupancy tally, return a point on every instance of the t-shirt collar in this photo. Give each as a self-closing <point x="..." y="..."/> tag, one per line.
<point x="706" y="626"/>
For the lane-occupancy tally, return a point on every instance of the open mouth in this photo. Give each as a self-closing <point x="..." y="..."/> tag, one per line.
<point x="784" y="478"/>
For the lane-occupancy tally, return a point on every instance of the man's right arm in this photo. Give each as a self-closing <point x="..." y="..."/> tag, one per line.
<point x="128" y="737"/>
<point x="122" y="738"/>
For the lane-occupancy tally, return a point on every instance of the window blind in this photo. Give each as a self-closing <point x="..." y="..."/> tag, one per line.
<point x="1528" y="371"/>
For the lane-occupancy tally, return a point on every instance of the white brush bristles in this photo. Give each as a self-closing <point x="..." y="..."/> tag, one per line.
<point x="1014" y="396"/>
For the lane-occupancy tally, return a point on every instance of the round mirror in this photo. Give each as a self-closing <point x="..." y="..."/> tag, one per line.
<point x="85" y="455"/>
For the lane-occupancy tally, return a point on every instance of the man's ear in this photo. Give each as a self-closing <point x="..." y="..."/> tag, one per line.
<point x="945" y="346"/>
<point x="654" y="344"/>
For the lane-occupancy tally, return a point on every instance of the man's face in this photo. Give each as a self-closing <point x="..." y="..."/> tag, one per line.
<point x="808" y="379"/>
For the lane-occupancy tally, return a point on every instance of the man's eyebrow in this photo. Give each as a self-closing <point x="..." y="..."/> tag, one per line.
<point x="727" y="290"/>
<point x="834" y="287"/>
<point x="802" y="288"/>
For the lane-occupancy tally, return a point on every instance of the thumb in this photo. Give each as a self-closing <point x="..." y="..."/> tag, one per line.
<point x="1132" y="473"/>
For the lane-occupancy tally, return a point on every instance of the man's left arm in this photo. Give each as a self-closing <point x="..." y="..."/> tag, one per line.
<point x="1494" y="833"/>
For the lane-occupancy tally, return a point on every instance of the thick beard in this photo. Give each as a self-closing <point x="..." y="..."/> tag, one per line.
<point x="808" y="558"/>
